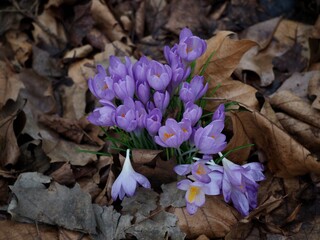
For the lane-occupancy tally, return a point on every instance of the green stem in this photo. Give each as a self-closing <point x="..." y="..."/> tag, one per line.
<point x="230" y="151"/>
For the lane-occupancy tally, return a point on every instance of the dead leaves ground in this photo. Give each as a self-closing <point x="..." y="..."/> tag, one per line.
<point x="269" y="64"/>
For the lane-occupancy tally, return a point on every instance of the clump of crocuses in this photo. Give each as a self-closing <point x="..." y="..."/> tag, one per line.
<point x="154" y="105"/>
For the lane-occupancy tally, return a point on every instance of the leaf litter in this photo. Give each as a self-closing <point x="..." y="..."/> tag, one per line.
<point x="49" y="172"/>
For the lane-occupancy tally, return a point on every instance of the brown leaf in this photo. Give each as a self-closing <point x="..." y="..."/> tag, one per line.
<point x="227" y="53"/>
<point x="139" y="22"/>
<point x="10" y="84"/>
<point x="9" y="149"/>
<point x="79" y="52"/>
<point x="59" y="150"/>
<point x="285" y="156"/>
<point x="4" y="191"/>
<point x="178" y="18"/>
<point x="18" y="231"/>
<point x="296" y="107"/>
<point x="107" y="22"/>
<point x="20" y="44"/>
<point x="305" y="134"/>
<point x="298" y="83"/>
<point x="143" y="156"/>
<point x="216" y="218"/>
<point x="97" y="39"/>
<point x="269" y="113"/>
<point x="314" y="91"/>
<point x="66" y="127"/>
<point x="63" y="175"/>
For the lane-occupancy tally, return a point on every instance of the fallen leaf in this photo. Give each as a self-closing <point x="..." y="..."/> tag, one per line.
<point x="63" y="175"/>
<point x="96" y="39"/>
<point x="216" y="218"/>
<point x="16" y="231"/>
<point x="20" y="44"/>
<point x="227" y="53"/>
<point x="314" y="91"/>
<point x="305" y="134"/>
<point x="296" y="107"/>
<point x="269" y="113"/>
<point x="10" y="84"/>
<point x="55" y="205"/>
<point x="178" y="18"/>
<point x="160" y="226"/>
<point x="107" y="22"/>
<point x="172" y="196"/>
<point x="143" y="156"/>
<point x="141" y="204"/>
<point x="79" y="52"/>
<point x="285" y="156"/>
<point x="110" y="224"/>
<point x="44" y="64"/>
<point x="9" y="149"/>
<point x="298" y="83"/>
<point x="4" y="192"/>
<point x="59" y="150"/>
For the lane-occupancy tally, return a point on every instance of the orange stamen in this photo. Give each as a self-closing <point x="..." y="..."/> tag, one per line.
<point x="200" y="170"/>
<point x="193" y="192"/>
<point x="167" y="135"/>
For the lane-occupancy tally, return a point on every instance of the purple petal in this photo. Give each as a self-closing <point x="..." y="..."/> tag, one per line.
<point x="191" y="208"/>
<point x="142" y="180"/>
<point x="182" y="169"/>
<point x="184" y="184"/>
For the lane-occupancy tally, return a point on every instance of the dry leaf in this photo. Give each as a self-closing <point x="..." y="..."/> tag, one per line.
<point x="58" y="205"/>
<point x="10" y="84"/>
<point x="96" y="39"/>
<point x="304" y="133"/>
<point x="9" y="149"/>
<point x="79" y="52"/>
<point x="16" y="231"/>
<point x="216" y="218"/>
<point x="63" y="175"/>
<point x="269" y="113"/>
<point x="66" y="127"/>
<point x="59" y="150"/>
<point x="314" y="91"/>
<point x="143" y="156"/>
<point x="107" y="22"/>
<point x="296" y="107"/>
<point x="285" y="156"/>
<point x="226" y="52"/>
<point x="172" y="196"/>
<point x="20" y="45"/>
<point x="298" y="83"/>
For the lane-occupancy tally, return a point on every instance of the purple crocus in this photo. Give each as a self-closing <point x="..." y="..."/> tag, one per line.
<point x="103" y="116"/>
<point x="239" y="184"/>
<point x="124" y="87"/>
<point x="180" y="71"/>
<point x="126" y="183"/>
<point x="101" y="85"/>
<point x="143" y="91"/>
<point x="161" y="100"/>
<point x="192" y="112"/>
<point x="186" y="128"/>
<point x="190" y="47"/>
<point x="141" y="115"/>
<point x="170" y="135"/>
<point x="119" y="70"/>
<point x="158" y="75"/>
<point x="219" y="114"/>
<point x="191" y="92"/>
<point x="195" y="195"/>
<point x="125" y="115"/>
<point x="210" y="140"/>
<point x="140" y="69"/>
<point x="200" y="171"/>
<point x="153" y="121"/>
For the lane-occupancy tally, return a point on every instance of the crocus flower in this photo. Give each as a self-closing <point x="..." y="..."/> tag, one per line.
<point x="186" y="128"/>
<point x="210" y="140"/>
<point x="101" y="85"/>
<point x="219" y="114"/>
<point x="200" y="171"/>
<point x="158" y="75"/>
<point x="239" y="184"/>
<point x="180" y="71"/>
<point x="153" y="121"/>
<point x="190" y="47"/>
<point x="103" y="116"/>
<point x="124" y="87"/>
<point x="161" y="100"/>
<point x="118" y="70"/>
<point x="141" y="115"/>
<point x="190" y="92"/>
<point x="140" y="69"/>
<point x="192" y="112"/>
<point x="126" y="182"/>
<point x="125" y="115"/>
<point x="170" y="135"/>
<point x="143" y="91"/>
<point x="195" y="195"/>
